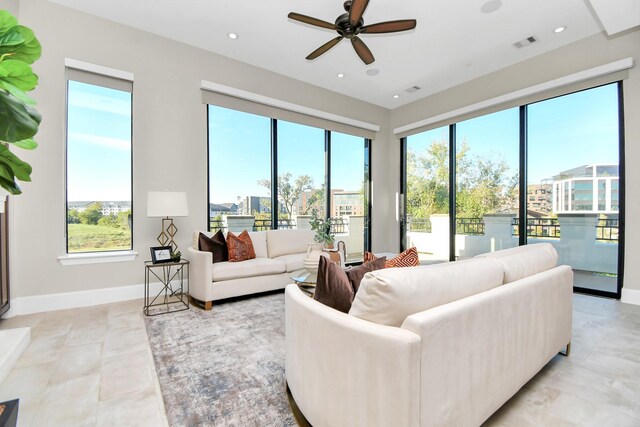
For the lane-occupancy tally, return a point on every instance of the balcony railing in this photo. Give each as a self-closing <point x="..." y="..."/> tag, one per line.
<point x="539" y="227"/>
<point x="470" y="226"/>
<point x="339" y="226"/>
<point x="607" y="230"/>
<point x="265" y="224"/>
<point x="419" y="224"/>
<point x="217" y="224"/>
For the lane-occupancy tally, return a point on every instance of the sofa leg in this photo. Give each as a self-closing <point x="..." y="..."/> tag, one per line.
<point x="567" y="351"/>
<point x="207" y="305"/>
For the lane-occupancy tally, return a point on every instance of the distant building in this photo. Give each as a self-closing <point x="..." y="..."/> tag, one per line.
<point x="539" y="198"/>
<point x="222" y="209"/>
<point x="347" y="203"/>
<point x="587" y="189"/>
<point x="108" y="207"/>
<point x="247" y="205"/>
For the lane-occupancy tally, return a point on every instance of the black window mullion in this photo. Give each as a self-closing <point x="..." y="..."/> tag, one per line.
<point x="452" y="192"/>
<point x="522" y="202"/>
<point x="367" y="193"/>
<point x="327" y="173"/>
<point x="274" y="174"/>
<point x="621" y="190"/>
<point x="403" y="194"/>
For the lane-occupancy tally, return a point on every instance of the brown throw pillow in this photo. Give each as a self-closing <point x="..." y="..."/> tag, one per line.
<point x="408" y="258"/>
<point x="356" y="274"/>
<point x="240" y="247"/>
<point x="332" y="286"/>
<point x="215" y="244"/>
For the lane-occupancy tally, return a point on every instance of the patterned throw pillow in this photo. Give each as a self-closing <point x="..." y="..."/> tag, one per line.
<point x="408" y="258"/>
<point x="240" y="247"/>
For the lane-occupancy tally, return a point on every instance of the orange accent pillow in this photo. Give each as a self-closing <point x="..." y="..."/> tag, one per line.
<point x="240" y="247"/>
<point x="408" y="258"/>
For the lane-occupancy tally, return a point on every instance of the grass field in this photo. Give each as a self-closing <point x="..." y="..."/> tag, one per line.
<point x="92" y="238"/>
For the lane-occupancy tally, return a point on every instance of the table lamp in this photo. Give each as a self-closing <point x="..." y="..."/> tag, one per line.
<point x="166" y="204"/>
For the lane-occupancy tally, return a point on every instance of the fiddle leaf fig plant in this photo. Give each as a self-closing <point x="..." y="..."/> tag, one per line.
<point x="19" y="120"/>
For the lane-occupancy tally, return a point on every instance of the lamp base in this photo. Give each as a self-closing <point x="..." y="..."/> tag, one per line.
<point x="168" y="231"/>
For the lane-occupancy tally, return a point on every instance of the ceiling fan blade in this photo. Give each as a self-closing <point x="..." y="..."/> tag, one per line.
<point x="357" y="9"/>
<point x="362" y="50"/>
<point x="389" y="26"/>
<point x="311" y="21"/>
<point x="325" y="47"/>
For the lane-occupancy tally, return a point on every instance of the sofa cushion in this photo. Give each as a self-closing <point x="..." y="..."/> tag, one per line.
<point x="388" y="296"/>
<point x="285" y="242"/>
<point x="292" y="261"/>
<point x="524" y="261"/>
<point x="333" y="287"/>
<point x="250" y="268"/>
<point x="216" y="244"/>
<point x="240" y="247"/>
<point x="259" y="241"/>
<point x="356" y="274"/>
<point x="408" y="258"/>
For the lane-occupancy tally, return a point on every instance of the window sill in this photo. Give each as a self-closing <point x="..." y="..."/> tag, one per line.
<point x="97" y="257"/>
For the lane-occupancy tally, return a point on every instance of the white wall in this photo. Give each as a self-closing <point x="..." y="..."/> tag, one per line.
<point x="170" y="140"/>
<point x="591" y="52"/>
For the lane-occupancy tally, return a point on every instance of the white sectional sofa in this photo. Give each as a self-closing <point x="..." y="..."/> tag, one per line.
<point x="448" y="344"/>
<point x="278" y="253"/>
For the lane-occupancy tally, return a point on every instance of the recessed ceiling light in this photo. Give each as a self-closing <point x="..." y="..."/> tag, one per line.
<point x="340" y="75"/>
<point x="372" y="72"/>
<point x="491" y="6"/>
<point x="560" y="29"/>
<point x="232" y="36"/>
<point x="396" y="96"/>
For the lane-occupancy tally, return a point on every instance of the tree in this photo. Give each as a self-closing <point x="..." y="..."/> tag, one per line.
<point x="92" y="214"/>
<point x="288" y="192"/>
<point x="315" y="201"/>
<point x="73" y="217"/>
<point x="484" y="184"/>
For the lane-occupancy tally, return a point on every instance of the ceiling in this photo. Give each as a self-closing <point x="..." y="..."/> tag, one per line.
<point x="454" y="41"/>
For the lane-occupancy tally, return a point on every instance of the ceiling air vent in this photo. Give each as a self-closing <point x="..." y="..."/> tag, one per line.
<point x="413" y="89"/>
<point x="525" y="42"/>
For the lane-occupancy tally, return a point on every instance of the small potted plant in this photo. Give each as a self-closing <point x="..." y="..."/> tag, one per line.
<point x="176" y="256"/>
<point x="322" y="227"/>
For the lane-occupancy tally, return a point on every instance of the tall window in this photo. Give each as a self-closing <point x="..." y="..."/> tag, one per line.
<point x="99" y="150"/>
<point x="256" y="161"/>
<point x="239" y="165"/>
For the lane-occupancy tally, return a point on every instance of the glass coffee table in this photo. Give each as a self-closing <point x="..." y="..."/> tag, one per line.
<point x="305" y="280"/>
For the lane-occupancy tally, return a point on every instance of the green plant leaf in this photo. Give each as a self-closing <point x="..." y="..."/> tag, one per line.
<point x="7" y="21"/>
<point x="20" y="169"/>
<point x="18" y="121"/>
<point x="18" y="74"/>
<point x="26" y="144"/>
<point x="30" y="50"/>
<point x="18" y="93"/>
<point x="12" y="38"/>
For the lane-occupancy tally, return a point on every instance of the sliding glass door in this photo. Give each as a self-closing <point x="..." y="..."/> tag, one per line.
<point x="573" y="183"/>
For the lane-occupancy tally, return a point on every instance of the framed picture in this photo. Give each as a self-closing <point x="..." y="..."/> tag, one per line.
<point x="161" y="254"/>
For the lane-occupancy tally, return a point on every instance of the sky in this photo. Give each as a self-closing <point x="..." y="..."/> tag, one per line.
<point x="564" y="132"/>
<point x="240" y="153"/>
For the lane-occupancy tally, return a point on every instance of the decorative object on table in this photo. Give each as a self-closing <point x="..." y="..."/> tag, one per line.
<point x="166" y="204"/>
<point x="322" y="227"/>
<point x="176" y="256"/>
<point x="19" y="120"/>
<point x="160" y="254"/>
<point x="9" y="413"/>
<point x="174" y="294"/>
<point x="338" y="253"/>
<point x="314" y="253"/>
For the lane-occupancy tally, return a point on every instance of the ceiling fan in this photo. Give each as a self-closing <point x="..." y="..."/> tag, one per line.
<point x="349" y="25"/>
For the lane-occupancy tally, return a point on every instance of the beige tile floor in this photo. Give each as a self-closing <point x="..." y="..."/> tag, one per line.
<point x="93" y="366"/>
<point x="86" y="367"/>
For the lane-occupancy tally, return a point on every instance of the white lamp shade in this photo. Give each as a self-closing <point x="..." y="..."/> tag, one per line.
<point x="167" y="204"/>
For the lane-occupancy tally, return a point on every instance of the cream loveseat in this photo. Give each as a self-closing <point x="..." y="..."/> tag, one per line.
<point x="278" y="253"/>
<point x="445" y="345"/>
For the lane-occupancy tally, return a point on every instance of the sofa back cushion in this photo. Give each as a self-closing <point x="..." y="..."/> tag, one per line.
<point x="286" y="242"/>
<point x="388" y="296"/>
<point x="525" y="261"/>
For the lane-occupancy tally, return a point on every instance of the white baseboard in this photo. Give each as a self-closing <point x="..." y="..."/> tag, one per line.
<point x="66" y="300"/>
<point x="630" y="296"/>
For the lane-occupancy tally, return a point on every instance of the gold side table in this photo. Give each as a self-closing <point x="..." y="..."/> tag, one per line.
<point x="174" y="294"/>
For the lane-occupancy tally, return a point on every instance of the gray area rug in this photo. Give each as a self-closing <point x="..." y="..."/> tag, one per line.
<point x="223" y="367"/>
